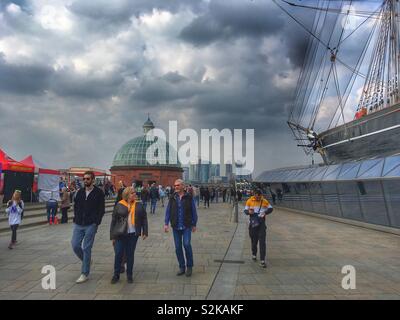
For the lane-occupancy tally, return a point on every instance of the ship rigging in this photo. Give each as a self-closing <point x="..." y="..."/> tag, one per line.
<point x="346" y="104"/>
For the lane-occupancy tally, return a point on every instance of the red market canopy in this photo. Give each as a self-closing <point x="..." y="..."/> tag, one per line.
<point x="8" y="163"/>
<point x="42" y="168"/>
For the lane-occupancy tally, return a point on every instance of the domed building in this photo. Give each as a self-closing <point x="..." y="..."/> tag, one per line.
<point x="131" y="165"/>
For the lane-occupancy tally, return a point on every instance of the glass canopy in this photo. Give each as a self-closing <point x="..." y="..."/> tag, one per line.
<point x="382" y="168"/>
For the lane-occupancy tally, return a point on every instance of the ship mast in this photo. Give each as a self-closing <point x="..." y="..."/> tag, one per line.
<point x="381" y="85"/>
<point x="322" y="93"/>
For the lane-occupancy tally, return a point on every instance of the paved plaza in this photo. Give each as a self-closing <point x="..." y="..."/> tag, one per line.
<point x="305" y="258"/>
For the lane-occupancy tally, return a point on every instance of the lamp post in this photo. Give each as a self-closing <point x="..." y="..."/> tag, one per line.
<point x="235" y="200"/>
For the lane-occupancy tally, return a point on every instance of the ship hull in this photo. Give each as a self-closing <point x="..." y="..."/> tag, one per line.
<point x="375" y="135"/>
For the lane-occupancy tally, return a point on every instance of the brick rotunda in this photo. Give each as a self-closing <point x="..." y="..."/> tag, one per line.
<point x="131" y="166"/>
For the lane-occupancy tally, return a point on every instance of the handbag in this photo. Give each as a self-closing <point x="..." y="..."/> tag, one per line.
<point x="120" y="228"/>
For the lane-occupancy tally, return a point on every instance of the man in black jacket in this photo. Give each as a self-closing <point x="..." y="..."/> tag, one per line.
<point x="154" y="197"/>
<point x="145" y="196"/>
<point x="89" y="209"/>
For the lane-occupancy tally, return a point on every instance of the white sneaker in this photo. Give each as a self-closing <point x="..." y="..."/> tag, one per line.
<point x="82" y="279"/>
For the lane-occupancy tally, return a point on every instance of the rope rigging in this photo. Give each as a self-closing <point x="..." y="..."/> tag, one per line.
<point x="325" y="54"/>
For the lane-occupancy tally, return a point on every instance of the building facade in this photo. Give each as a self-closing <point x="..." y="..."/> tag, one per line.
<point x="132" y="163"/>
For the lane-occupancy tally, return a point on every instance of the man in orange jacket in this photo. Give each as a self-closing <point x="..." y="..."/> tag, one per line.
<point x="257" y="207"/>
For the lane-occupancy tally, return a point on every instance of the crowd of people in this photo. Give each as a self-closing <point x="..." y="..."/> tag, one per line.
<point x="130" y="222"/>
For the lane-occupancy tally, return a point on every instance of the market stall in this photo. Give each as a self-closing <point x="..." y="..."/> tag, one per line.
<point x="46" y="182"/>
<point x="15" y="176"/>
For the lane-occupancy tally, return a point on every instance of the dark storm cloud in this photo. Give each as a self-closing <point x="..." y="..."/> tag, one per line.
<point x="296" y="41"/>
<point x="264" y="110"/>
<point x="235" y="68"/>
<point x="68" y="83"/>
<point x="246" y="82"/>
<point x="225" y="20"/>
<point x="23" y="79"/>
<point x="35" y="79"/>
<point x="170" y="87"/>
<point x="109" y="17"/>
<point x="119" y="11"/>
<point x="174" y="77"/>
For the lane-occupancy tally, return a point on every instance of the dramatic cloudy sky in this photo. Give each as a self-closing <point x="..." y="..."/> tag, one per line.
<point x="77" y="78"/>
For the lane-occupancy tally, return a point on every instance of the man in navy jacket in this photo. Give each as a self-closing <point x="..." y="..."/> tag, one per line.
<point x="181" y="213"/>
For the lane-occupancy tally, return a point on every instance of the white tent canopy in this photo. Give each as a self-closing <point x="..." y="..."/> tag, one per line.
<point x="48" y="180"/>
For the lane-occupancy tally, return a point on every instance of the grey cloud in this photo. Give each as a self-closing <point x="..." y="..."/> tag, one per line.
<point x="21" y="3"/>
<point x="239" y="91"/>
<point x="225" y="20"/>
<point x="24" y="79"/>
<point x="68" y="83"/>
<point x="35" y="79"/>
<point x="170" y="87"/>
<point x="22" y="24"/>
<point x="296" y="41"/>
<point x="118" y="11"/>
<point x="174" y="77"/>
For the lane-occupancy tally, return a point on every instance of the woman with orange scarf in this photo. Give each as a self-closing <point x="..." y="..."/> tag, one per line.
<point x="129" y="222"/>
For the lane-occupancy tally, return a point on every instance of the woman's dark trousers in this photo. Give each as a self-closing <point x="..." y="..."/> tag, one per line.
<point x="125" y="244"/>
<point x="259" y="235"/>
<point x="64" y="213"/>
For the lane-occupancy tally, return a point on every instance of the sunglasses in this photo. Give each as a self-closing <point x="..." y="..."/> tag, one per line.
<point x="177" y="185"/>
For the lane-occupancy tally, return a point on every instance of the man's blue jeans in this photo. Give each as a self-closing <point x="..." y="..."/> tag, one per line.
<point x="126" y="244"/>
<point x="144" y="204"/>
<point x="183" y="238"/>
<point x="153" y="205"/>
<point x="82" y="243"/>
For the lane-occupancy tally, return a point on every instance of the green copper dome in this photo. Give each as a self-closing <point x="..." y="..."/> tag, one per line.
<point x="133" y="153"/>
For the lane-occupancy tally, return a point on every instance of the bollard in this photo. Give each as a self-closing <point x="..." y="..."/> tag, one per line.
<point x="236" y="217"/>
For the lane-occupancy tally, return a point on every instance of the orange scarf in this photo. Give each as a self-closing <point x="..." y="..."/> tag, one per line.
<point x="132" y="209"/>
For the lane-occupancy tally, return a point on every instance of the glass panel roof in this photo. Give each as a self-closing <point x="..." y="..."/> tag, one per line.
<point x="394" y="173"/>
<point x="305" y="174"/>
<point x="332" y="172"/>
<point x="319" y="173"/>
<point x="368" y="165"/>
<point x="390" y="164"/>
<point x="349" y="171"/>
<point x="367" y="169"/>
<point x="373" y="171"/>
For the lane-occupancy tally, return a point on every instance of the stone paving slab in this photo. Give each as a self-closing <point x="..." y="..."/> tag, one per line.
<point x="154" y="270"/>
<point x="305" y="257"/>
